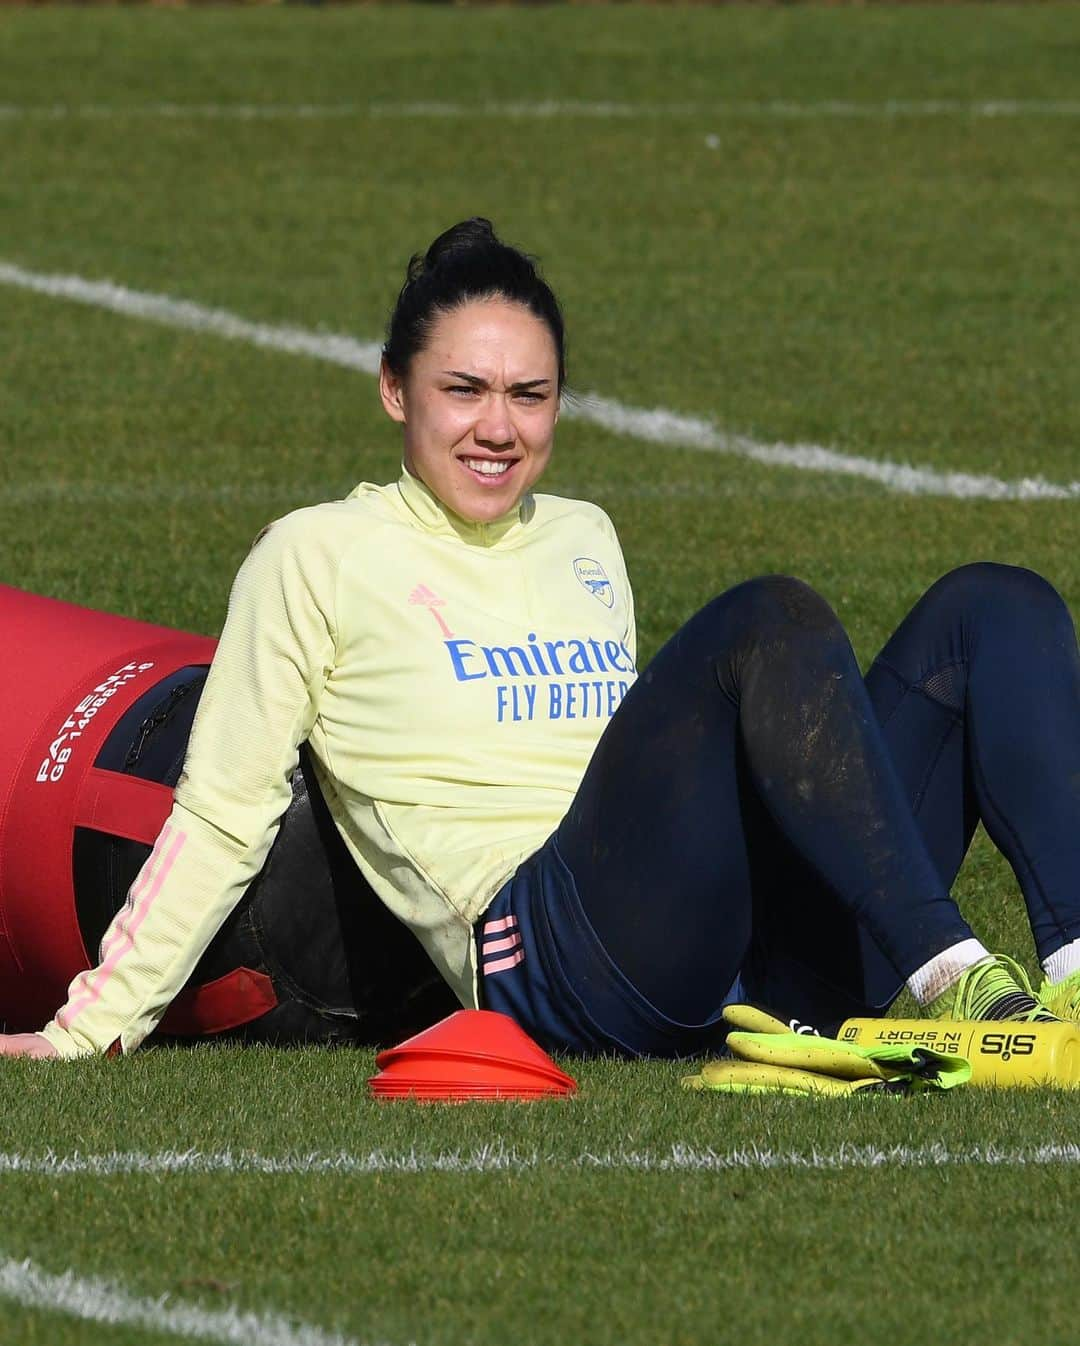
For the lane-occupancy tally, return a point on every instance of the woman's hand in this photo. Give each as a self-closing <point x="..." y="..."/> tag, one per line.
<point x="26" y="1044"/>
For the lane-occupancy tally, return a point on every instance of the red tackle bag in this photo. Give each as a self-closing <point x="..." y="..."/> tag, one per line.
<point x="95" y="713"/>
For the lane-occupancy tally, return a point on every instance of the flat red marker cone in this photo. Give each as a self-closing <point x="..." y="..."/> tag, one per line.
<point x="471" y="1054"/>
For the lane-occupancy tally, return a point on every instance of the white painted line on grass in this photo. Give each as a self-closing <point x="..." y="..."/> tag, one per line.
<point x="780" y="109"/>
<point x="674" y="430"/>
<point x="166" y="491"/>
<point x="500" y="1159"/>
<point x="161" y="490"/>
<point x="668" y="429"/>
<point x="181" y="111"/>
<point x="748" y="109"/>
<point x="160" y="308"/>
<point x="101" y="1301"/>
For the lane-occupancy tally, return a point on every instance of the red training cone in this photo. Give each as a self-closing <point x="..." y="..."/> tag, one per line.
<point x="472" y="1054"/>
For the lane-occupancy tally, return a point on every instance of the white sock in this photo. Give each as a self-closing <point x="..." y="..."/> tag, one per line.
<point x="1062" y="961"/>
<point x="926" y="983"/>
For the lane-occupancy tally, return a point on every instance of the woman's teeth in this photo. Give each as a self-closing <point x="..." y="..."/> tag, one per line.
<point x="490" y="467"/>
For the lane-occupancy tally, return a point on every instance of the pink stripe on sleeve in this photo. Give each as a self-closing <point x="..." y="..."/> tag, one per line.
<point x="500" y="945"/>
<point x="501" y="964"/>
<point x="121" y="938"/>
<point x="142" y="879"/>
<point x="493" y="927"/>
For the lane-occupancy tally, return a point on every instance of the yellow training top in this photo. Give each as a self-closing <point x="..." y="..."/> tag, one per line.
<point x="452" y="679"/>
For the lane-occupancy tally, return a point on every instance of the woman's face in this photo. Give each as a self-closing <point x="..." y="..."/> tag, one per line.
<point x="478" y="407"/>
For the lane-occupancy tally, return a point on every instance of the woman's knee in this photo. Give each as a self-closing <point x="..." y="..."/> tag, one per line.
<point x="1002" y="591"/>
<point x="779" y="602"/>
<point x="772" y="621"/>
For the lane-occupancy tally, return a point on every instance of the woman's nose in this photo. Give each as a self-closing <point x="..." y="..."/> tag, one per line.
<point x="495" y="426"/>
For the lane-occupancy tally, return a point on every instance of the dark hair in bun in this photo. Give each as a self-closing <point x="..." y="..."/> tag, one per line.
<point x="466" y="262"/>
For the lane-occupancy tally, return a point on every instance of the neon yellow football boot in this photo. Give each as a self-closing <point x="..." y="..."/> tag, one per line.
<point x="1062" y="998"/>
<point x="995" y="987"/>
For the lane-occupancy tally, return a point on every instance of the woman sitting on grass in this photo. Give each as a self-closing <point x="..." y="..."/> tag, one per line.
<point x="607" y="858"/>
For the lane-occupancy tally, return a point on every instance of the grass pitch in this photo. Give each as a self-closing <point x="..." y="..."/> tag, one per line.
<point x="802" y="224"/>
<point x="608" y="1219"/>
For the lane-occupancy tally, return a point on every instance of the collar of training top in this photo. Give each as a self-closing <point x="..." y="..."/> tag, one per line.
<point x="435" y="517"/>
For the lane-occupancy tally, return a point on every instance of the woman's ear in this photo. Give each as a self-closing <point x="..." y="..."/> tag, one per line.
<point x="392" y="392"/>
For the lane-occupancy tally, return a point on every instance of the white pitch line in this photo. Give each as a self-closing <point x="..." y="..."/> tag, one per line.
<point x="656" y="425"/>
<point x="780" y="109"/>
<point x="165" y="491"/>
<point x="182" y="111"/>
<point x="674" y="430"/>
<point x="100" y="1301"/>
<point x="160" y="308"/>
<point x="158" y="490"/>
<point x="499" y="1159"/>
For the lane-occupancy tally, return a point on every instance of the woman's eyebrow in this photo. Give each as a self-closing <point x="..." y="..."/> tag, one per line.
<point x="477" y="382"/>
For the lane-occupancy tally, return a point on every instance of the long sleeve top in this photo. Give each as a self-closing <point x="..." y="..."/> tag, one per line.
<point x="451" y="679"/>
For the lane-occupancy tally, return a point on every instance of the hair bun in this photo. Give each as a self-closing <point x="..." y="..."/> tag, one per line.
<point x="463" y="237"/>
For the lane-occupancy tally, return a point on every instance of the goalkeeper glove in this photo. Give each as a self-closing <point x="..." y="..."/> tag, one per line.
<point x="770" y="1059"/>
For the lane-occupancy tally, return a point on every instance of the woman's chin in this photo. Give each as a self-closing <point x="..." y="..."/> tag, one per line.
<point x="483" y="504"/>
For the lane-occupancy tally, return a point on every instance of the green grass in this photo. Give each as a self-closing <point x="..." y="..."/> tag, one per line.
<point x="898" y="288"/>
<point x="560" y="1251"/>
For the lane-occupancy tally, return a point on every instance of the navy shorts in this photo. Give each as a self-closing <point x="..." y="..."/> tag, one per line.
<point x="542" y="963"/>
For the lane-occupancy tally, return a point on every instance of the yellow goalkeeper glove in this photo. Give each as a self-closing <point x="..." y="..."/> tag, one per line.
<point x="769" y="1059"/>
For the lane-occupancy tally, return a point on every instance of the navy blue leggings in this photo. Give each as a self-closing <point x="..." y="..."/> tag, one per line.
<point x="757" y="808"/>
